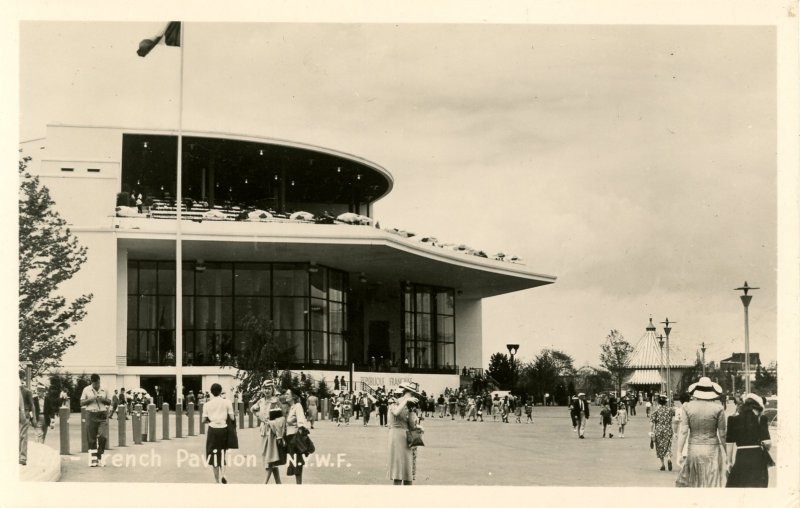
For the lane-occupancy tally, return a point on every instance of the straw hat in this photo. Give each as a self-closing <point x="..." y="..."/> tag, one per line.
<point x="411" y="387"/>
<point x="705" y="389"/>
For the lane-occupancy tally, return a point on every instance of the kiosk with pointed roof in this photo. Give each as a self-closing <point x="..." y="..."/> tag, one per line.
<point x="647" y="364"/>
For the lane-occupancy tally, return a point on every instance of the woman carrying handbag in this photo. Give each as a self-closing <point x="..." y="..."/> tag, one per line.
<point x="272" y="427"/>
<point x="402" y="419"/>
<point x="295" y="420"/>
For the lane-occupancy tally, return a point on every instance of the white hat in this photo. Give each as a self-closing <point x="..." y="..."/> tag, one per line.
<point x="411" y="387"/>
<point x="705" y="389"/>
<point x="755" y="398"/>
<point x="581" y="394"/>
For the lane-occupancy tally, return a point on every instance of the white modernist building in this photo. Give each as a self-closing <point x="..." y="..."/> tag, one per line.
<point x="337" y="292"/>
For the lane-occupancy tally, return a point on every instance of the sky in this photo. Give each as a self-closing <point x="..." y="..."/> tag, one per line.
<point x="637" y="164"/>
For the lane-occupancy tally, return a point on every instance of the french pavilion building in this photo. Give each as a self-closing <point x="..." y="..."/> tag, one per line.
<point x="396" y="307"/>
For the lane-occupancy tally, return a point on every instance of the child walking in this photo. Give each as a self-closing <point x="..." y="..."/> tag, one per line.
<point x="605" y="420"/>
<point x="518" y="412"/>
<point x="529" y="411"/>
<point x="622" y="420"/>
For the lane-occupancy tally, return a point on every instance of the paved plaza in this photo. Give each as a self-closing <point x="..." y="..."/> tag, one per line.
<point x="460" y="452"/>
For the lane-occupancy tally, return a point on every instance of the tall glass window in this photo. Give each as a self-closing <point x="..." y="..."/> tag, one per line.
<point x="307" y="308"/>
<point x="429" y="327"/>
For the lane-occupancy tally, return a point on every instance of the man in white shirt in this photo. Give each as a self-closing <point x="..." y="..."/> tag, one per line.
<point x="96" y="402"/>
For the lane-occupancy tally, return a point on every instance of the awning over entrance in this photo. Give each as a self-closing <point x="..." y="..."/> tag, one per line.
<point x="374" y="256"/>
<point x="645" y="377"/>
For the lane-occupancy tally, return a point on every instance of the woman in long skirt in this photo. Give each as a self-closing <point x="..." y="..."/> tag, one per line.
<point x="295" y="419"/>
<point x="272" y="429"/>
<point x="703" y="426"/>
<point x="747" y="442"/>
<point x="402" y="458"/>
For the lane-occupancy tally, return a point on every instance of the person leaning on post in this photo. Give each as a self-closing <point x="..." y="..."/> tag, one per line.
<point x="96" y="402"/>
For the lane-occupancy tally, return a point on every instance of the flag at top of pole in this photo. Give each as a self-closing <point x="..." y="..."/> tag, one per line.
<point x="171" y="35"/>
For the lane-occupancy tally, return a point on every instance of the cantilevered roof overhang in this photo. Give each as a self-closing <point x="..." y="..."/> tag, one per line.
<point x="380" y="256"/>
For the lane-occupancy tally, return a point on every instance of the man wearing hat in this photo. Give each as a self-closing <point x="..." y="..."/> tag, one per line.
<point x="581" y="411"/>
<point x="573" y="413"/>
<point x="43" y="413"/>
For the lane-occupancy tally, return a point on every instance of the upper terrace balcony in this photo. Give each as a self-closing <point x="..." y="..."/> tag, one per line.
<point x="249" y="173"/>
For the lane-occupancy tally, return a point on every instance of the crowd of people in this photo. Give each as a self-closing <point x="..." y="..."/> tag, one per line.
<point x="711" y="449"/>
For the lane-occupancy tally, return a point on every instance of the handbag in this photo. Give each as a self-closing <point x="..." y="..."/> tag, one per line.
<point x="414" y="438"/>
<point x="767" y="457"/>
<point x="282" y="451"/>
<point x="232" y="437"/>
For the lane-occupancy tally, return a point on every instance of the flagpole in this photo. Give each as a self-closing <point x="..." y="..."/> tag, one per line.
<point x="178" y="244"/>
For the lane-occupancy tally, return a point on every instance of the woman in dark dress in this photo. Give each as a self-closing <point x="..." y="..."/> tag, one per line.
<point x="747" y="433"/>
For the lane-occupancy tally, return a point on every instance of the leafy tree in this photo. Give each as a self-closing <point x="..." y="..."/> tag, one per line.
<point x="592" y="380"/>
<point x="323" y="391"/>
<point x="501" y="370"/>
<point x="765" y="382"/>
<point x="49" y="254"/>
<point x="547" y="373"/>
<point x="265" y="348"/>
<point x="75" y="397"/>
<point x="60" y="382"/>
<point x="614" y="355"/>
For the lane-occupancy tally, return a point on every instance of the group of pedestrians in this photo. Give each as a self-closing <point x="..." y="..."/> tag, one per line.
<point x="713" y="450"/>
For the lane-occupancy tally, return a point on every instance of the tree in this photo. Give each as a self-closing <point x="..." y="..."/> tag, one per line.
<point x="264" y="350"/>
<point x="49" y="254"/>
<point x="592" y="380"/>
<point x="547" y="373"/>
<point x="765" y="382"/>
<point x="614" y="356"/>
<point x="501" y="370"/>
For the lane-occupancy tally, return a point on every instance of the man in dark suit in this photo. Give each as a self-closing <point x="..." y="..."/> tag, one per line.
<point x="25" y="418"/>
<point x="43" y="413"/>
<point x="581" y="409"/>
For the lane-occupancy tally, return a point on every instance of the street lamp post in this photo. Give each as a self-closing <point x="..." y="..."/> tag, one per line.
<point x="512" y="350"/>
<point x="746" y="302"/>
<point x="668" y="329"/>
<point x="703" y="350"/>
<point x="661" y="368"/>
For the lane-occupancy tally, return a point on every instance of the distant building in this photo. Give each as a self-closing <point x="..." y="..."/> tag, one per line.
<point x="735" y="364"/>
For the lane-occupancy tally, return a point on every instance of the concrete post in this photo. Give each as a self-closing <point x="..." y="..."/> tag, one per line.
<point x="122" y="424"/>
<point x="84" y="436"/>
<point x="324" y="409"/>
<point x="63" y="429"/>
<point x="178" y="421"/>
<point x="136" y="426"/>
<point x="202" y="422"/>
<point x="165" y="421"/>
<point x="151" y="423"/>
<point x="241" y="415"/>
<point x="250" y="416"/>
<point x="190" y="412"/>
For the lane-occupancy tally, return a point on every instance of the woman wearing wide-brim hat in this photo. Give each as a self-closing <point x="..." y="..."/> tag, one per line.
<point x="272" y="428"/>
<point x="747" y="443"/>
<point x="703" y="425"/>
<point x="402" y="458"/>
